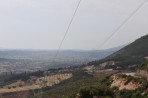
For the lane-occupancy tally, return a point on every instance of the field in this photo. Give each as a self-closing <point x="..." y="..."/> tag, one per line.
<point x="35" y="83"/>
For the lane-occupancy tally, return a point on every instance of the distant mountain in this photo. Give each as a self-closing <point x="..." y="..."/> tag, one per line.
<point x="33" y="60"/>
<point x="131" y="54"/>
<point x="48" y="54"/>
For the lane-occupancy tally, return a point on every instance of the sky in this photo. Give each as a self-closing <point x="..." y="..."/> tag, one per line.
<point x="41" y="24"/>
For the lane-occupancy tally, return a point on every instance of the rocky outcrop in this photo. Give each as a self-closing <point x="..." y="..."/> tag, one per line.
<point x="121" y="83"/>
<point x="142" y="73"/>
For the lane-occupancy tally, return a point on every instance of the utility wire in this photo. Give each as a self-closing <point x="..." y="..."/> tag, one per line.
<point x="123" y="23"/>
<point x="67" y="30"/>
<point x="116" y="30"/>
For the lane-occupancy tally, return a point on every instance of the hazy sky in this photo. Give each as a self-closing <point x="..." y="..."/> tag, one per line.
<point x="41" y="24"/>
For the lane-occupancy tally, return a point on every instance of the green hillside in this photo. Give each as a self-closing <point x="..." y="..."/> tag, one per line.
<point x="133" y="53"/>
<point x="137" y="49"/>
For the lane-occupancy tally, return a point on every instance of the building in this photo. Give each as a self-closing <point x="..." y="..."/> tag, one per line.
<point x="146" y="57"/>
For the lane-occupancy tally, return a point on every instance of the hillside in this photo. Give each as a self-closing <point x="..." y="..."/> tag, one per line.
<point x="139" y="48"/>
<point x="132" y="54"/>
<point x="143" y="70"/>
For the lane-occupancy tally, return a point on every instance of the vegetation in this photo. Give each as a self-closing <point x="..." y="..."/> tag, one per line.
<point x="133" y="54"/>
<point x="6" y="79"/>
<point x="132" y="94"/>
<point x="84" y="85"/>
<point x="144" y="66"/>
<point x="102" y="89"/>
<point x="70" y="87"/>
<point x="137" y="80"/>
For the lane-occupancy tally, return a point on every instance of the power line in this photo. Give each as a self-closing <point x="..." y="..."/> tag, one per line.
<point x="67" y="30"/>
<point x="123" y="23"/>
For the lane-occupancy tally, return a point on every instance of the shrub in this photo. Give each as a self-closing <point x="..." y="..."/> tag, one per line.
<point x="100" y="90"/>
<point x="115" y="88"/>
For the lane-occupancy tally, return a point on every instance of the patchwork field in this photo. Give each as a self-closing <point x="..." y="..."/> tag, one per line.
<point x="35" y="83"/>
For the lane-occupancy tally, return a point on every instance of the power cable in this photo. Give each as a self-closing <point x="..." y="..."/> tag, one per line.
<point x="115" y="31"/>
<point x="123" y="23"/>
<point x="67" y="30"/>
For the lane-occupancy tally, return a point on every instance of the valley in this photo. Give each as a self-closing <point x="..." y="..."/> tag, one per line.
<point x="19" y="61"/>
<point x="123" y="74"/>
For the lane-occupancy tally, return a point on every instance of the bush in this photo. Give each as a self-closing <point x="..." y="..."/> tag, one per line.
<point x="100" y="91"/>
<point x="122" y="76"/>
<point x="106" y="81"/>
<point x="125" y="93"/>
<point x="115" y="88"/>
<point x="129" y="79"/>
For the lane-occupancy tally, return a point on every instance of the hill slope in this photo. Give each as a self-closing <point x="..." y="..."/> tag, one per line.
<point x="139" y="48"/>
<point x="132" y="54"/>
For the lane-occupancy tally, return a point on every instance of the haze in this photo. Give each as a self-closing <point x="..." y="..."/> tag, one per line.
<point x="41" y="24"/>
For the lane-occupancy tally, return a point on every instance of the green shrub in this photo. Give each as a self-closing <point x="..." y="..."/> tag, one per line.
<point x="115" y="88"/>
<point x="100" y="91"/>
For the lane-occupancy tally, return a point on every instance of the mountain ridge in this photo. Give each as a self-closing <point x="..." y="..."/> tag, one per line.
<point x="132" y="54"/>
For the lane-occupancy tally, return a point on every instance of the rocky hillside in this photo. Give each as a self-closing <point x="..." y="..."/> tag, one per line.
<point x="125" y="82"/>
